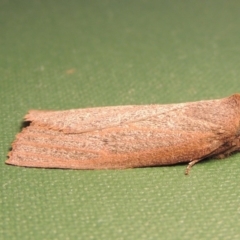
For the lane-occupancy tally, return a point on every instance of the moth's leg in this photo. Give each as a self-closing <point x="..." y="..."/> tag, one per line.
<point x="227" y="153"/>
<point x="235" y="146"/>
<point x="190" y="164"/>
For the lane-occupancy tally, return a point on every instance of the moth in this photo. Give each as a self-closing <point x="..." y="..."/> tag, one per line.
<point x="129" y="136"/>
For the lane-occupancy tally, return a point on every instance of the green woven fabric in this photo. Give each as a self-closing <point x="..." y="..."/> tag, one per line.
<point x="73" y="54"/>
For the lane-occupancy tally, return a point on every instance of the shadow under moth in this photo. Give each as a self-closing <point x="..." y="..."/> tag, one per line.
<point x="129" y="136"/>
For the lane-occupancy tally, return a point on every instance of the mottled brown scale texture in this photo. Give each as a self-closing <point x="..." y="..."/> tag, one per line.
<point x="129" y="136"/>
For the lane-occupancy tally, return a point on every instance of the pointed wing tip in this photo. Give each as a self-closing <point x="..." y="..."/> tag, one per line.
<point x="31" y="113"/>
<point x="9" y="161"/>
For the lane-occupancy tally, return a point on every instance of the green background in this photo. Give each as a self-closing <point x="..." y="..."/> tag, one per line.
<point x="74" y="54"/>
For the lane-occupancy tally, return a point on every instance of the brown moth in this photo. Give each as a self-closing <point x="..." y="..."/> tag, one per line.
<point x="129" y="136"/>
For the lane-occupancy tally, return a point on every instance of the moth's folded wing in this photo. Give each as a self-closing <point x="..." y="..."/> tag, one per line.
<point x="120" y="147"/>
<point x="89" y="119"/>
<point x="219" y="112"/>
<point x="122" y="137"/>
